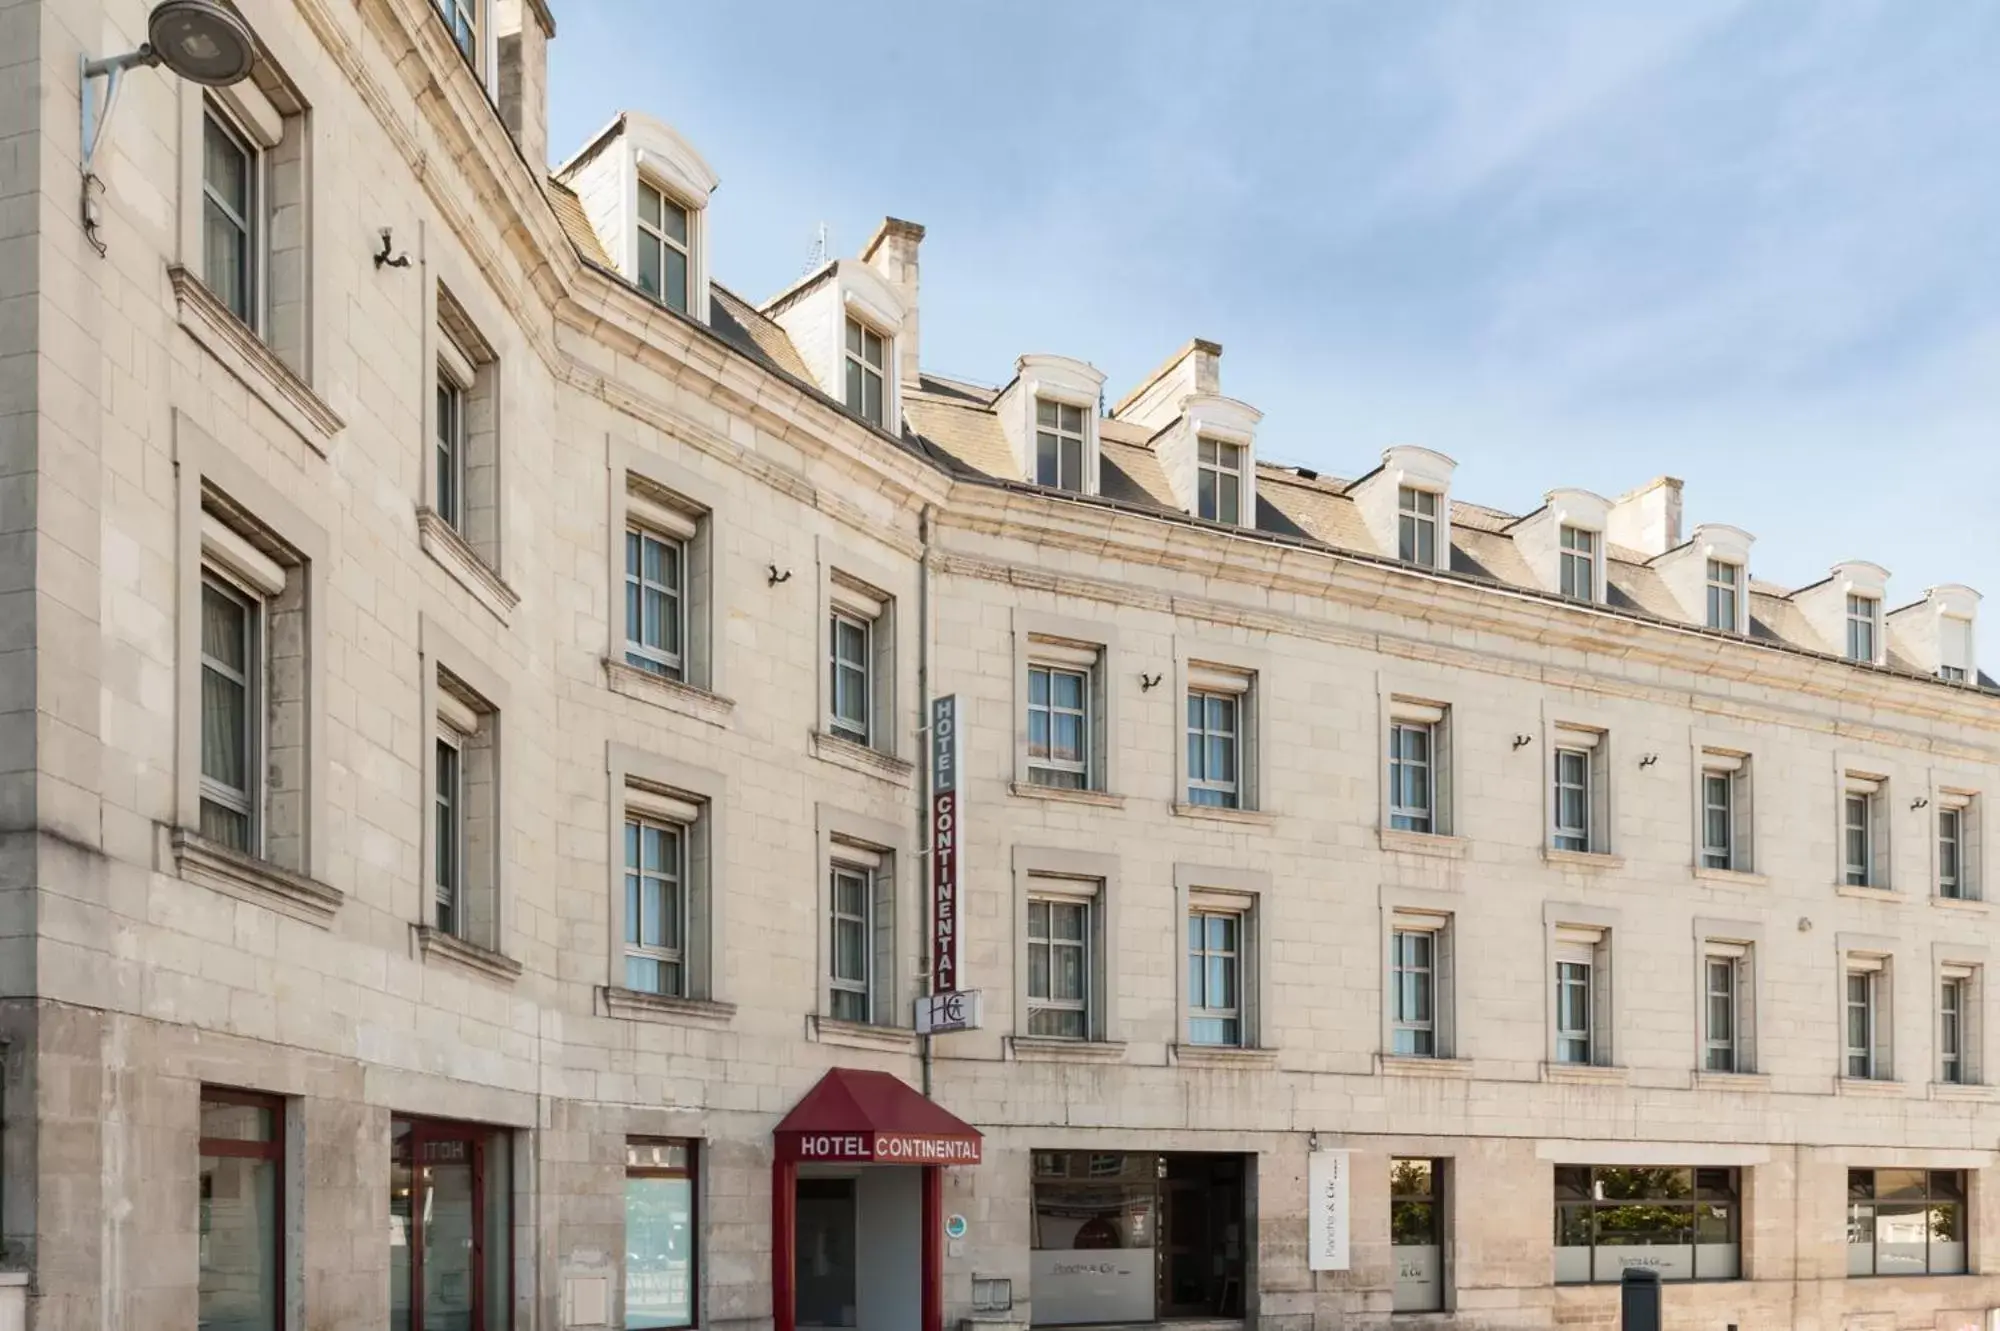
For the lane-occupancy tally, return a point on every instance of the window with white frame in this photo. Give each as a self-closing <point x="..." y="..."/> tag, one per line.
<point x="1866" y="1026"/>
<point x="1958" y="841"/>
<point x="665" y="247"/>
<point x="464" y="813"/>
<point x="850" y="946"/>
<point x="663" y="893"/>
<point x="1219" y="480"/>
<point x="1581" y="999"/>
<point x="448" y="812"/>
<point x="450" y="457"/>
<point x="1220" y="717"/>
<point x="231" y="705"/>
<point x="1420" y="963"/>
<point x="1954" y="649"/>
<point x="1416" y="768"/>
<point x="1864" y="627"/>
<point x="1215" y="961"/>
<point x="860" y="677"/>
<point x="461" y="20"/>
<point x="1578" y="801"/>
<point x="1574" y="1025"/>
<point x="1952" y="1010"/>
<point x="232" y="186"/>
<point x="848" y="678"/>
<point x="1726" y="1008"/>
<point x="1863" y="832"/>
<point x="866" y="360"/>
<point x="1059" y="445"/>
<point x="665" y="563"/>
<point x="1579" y="563"/>
<point x="464" y="481"/>
<point x="1723" y="795"/>
<point x="1417" y="526"/>
<point x="1725" y="587"/>
<point x="1060" y="965"/>
<point x="1059" y="726"/>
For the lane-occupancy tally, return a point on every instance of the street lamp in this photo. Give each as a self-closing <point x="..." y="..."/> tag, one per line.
<point x="203" y="41"/>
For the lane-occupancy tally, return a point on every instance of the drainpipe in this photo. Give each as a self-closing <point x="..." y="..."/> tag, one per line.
<point x="923" y="757"/>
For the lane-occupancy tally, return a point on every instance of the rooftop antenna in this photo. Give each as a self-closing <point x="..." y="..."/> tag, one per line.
<point x="816" y="257"/>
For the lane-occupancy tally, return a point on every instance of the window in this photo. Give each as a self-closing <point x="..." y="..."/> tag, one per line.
<point x="1864" y="852"/>
<point x="663" y="248"/>
<point x="1573" y="1016"/>
<point x="1684" y="1223"/>
<point x="1718" y="820"/>
<point x="1906" y="1222"/>
<point x="1215" y="958"/>
<point x="661" y="1245"/>
<point x="1954" y="649"/>
<point x="848" y="681"/>
<point x="1059" y="440"/>
<point x="1416" y="1233"/>
<point x="1219" y="482"/>
<point x="866" y="354"/>
<point x="451" y="1226"/>
<point x="464" y="480"/>
<point x="655" y="601"/>
<point x="242" y="1216"/>
<point x="1413" y="986"/>
<point x="858" y="700"/>
<point x="231" y="177"/>
<point x="1059" y="727"/>
<point x="1864" y="1026"/>
<point x="464" y="840"/>
<point x="1724" y="589"/>
<point x="450" y="479"/>
<point x="1411" y="804"/>
<point x="1952" y="1008"/>
<point x="1059" y="969"/>
<point x="1863" y="622"/>
<point x="656" y="905"/>
<point x="1723" y="976"/>
<point x="1416" y="526"/>
<point x="1213" y="748"/>
<point x="1580" y="1000"/>
<point x="1579" y="564"/>
<point x="1950" y="883"/>
<point x="449" y="808"/>
<point x="461" y="19"/>
<point x="1572" y="799"/>
<point x="231" y="736"/>
<point x="851" y="946"/>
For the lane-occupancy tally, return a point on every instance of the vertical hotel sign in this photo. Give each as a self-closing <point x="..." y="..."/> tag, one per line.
<point x="1326" y="1211"/>
<point x="947" y="838"/>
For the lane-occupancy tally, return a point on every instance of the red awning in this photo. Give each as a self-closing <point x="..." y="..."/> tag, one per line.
<point x="873" y="1118"/>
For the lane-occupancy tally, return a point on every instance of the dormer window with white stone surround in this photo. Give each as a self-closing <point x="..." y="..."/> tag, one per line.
<point x="645" y="190"/>
<point x="1845" y="610"/>
<point x="1709" y="577"/>
<point x="1049" y="418"/>
<point x="1936" y="634"/>
<point x="1406" y="505"/>
<point x="1205" y="442"/>
<point x="845" y="319"/>
<point x="1563" y="543"/>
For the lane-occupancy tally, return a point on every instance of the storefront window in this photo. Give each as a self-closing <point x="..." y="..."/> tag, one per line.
<point x="1681" y="1222"/>
<point x="1416" y="1232"/>
<point x="1132" y="1237"/>
<point x="1905" y="1222"/>
<point x="451" y="1206"/>
<point x="242" y="1222"/>
<point x="659" y="1234"/>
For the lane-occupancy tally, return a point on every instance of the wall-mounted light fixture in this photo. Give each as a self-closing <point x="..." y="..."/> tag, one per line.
<point x="1523" y="741"/>
<point x="200" y="40"/>
<point x="1921" y="801"/>
<point x="1648" y="760"/>
<point x="1147" y="683"/>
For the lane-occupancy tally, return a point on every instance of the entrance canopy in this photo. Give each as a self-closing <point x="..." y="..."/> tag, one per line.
<point x="857" y="1117"/>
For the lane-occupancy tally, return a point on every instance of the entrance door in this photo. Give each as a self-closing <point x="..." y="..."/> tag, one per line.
<point x="826" y="1246"/>
<point x="444" y="1272"/>
<point x="1201" y="1236"/>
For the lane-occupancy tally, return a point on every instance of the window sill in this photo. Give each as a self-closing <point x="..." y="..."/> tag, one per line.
<point x="1732" y="1081"/>
<point x="212" y="324"/>
<point x="1870" y="1088"/>
<point x="1970" y="905"/>
<point x="1028" y="790"/>
<point x="1049" y="1049"/>
<point x="1598" y="860"/>
<point x="1867" y="893"/>
<point x="861" y="1035"/>
<point x="1221" y="1056"/>
<point x="1959" y="1090"/>
<point x="260" y="882"/>
<point x="1407" y="1065"/>
<point x="687" y="699"/>
<point x="1730" y="877"/>
<point x="859" y="758"/>
<point x="1585" y="1074"/>
<point x="642" y="1006"/>
<point x="1217" y="814"/>
<point x="437" y="945"/>
<point x="1423" y="843"/>
<point x="450" y="551"/>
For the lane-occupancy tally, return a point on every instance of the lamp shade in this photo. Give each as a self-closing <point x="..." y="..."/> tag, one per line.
<point x="202" y="41"/>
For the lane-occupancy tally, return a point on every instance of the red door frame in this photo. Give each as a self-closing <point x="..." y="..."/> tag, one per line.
<point x="422" y="1132"/>
<point x="785" y="1239"/>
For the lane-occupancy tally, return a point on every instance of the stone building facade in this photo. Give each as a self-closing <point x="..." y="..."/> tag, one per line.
<point x="463" y="782"/>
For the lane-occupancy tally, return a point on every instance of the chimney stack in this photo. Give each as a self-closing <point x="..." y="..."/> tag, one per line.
<point x="523" y="28"/>
<point x="893" y="253"/>
<point x="1647" y="519"/>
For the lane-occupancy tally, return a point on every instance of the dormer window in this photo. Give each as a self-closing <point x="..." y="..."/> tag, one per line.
<point x="663" y="248"/>
<point x="1724" y="587"/>
<point x="867" y="352"/>
<point x="1416" y="526"/>
<point x="461" y="19"/>
<point x="1059" y="440"/>
<point x="1579" y="564"/>
<point x="1864" y="614"/>
<point x="1954" y="649"/>
<point x="1219" y="483"/>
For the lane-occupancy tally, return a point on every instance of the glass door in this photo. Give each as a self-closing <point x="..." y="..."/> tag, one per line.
<point x="449" y="1207"/>
<point x="825" y="1252"/>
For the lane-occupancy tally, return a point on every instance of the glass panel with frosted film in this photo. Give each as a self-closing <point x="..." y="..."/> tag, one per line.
<point x="659" y="1261"/>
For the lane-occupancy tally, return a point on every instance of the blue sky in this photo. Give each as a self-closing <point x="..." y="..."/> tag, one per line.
<point x="1756" y="246"/>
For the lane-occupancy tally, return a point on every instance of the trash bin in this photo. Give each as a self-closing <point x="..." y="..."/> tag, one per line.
<point x="1639" y="1300"/>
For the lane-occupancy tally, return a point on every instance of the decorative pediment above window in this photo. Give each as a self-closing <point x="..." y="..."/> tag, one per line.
<point x="1406" y="505"/>
<point x="1049" y="417"/>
